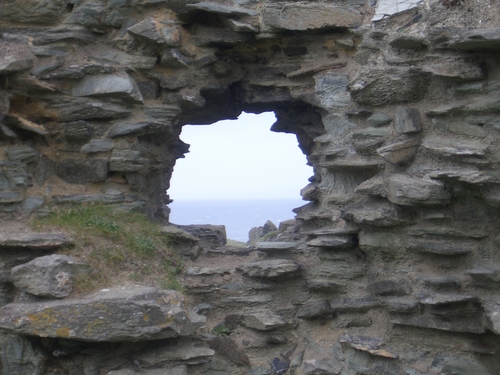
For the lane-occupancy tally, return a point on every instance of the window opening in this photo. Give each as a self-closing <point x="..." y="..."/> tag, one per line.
<point x="239" y="174"/>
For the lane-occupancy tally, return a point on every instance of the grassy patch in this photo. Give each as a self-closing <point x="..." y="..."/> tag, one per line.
<point x="221" y="330"/>
<point x="268" y="236"/>
<point x="120" y="247"/>
<point x="235" y="243"/>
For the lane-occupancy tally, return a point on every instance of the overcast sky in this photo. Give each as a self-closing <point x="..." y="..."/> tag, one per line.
<point x="239" y="159"/>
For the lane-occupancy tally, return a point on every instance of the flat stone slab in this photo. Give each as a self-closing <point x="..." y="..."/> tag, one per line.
<point x="270" y="268"/>
<point x="123" y="314"/>
<point x="354" y="162"/>
<point x="127" y="161"/>
<point x="270" y="246"/>
<point x="409" y="191"/>
<point x="442" y="299"/>
<point x="471" y="325"/>
<point x="459" y="229"/>
<point x="13" y="65"/>
<point x="451" y="147"/>
<point x="119" y="85"/>
<point x="387" y="8"/>
<point x="463" y="367"/>
<point x="223" y="9"/>
<point x="467" y="176"/>
<point x="480" y="105"/>
<point x="357" y="304"/>
<point x="478" y="40"/>
<point x="314" y="309"/>
<point x="442" y="246"/>
<point x="309" y="16"/>
<point x="263" y="321"/>
<point x="368" y="344"/>
<point x="43" y="241"/>
<point x="333" y="242"/>
<point x="147" y="30"/>
<point x="400" y="305"/>
<point x="320" y="285"/>
<point x="401" y="151"/>
<point x="380" y="214"/>
<point x="173" y="352"/>
<point x="317" y="366"/>
<point x="249" y="300"/>
<point x="178" y="234"/>
<point x="206" y="271"/>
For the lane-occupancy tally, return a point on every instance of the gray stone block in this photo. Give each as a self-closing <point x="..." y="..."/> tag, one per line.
<point x="119" y="85"/>
<point x="315" y="309"/>
<point x="271" y="269"/>
<point x="77" y="171"/>
<point x="49" y="276"/>
<point x="127" y="161"/>
<point x="120" y="313"/>
<point x="407" y="121"/>
<point x="309" y="16"/>
<point x="97" y="145"/>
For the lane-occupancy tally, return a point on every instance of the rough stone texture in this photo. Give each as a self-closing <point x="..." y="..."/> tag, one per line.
<point x="314" y="366"/>
<point x="398" y="118"/>
<point x="400" y="152"/>
<point x="19" y="357"/>
<point x="49" y="276"/>
<point x="462" y="367"/>
<point x="123" y="314"/>
<point x="312" y="16"/>
<point x="117" y="85"/>
<point x="314" y="309"/>
<point x="407" y="121"/>
<point x="127" y="161"/>
<point x="94" y="170"/>
<point x="381" y="87"/>
<point x="210" y="236"/>
<point x="270" y="268"/>
<point x="43" y="241"/>
<point x="171" y="353"/>
<point x="263" y="321"/>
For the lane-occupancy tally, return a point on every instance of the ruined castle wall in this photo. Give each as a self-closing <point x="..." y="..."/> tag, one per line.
<point x="395" y="104"/>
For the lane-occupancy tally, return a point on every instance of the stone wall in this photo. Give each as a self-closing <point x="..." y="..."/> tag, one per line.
<point x="393" y="267"/>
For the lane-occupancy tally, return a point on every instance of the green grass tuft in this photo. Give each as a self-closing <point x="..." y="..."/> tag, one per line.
<point x="120" y="247"/>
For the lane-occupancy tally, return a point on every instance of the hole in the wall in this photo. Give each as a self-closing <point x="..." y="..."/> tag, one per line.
<point x="239" y="174"/>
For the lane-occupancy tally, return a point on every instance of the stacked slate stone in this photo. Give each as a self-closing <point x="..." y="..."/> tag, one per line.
<point x="390" y="268"/>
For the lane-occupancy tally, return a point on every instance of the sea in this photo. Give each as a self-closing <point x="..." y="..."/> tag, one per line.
<point x="239" y="216"/>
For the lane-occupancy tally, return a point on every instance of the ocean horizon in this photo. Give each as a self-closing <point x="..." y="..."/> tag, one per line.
<point x="238" y="216"/>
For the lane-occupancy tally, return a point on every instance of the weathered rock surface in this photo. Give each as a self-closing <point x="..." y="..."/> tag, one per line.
<point x="123" y="314"/>
<point x="394" y="104"/>
<point x="116" y="85"/>
<point x="172" y="353"/>
<point x="43" y="241"/>
<point x="49" y="276"/>
<point x="18" y="356"/>
<point x="274" y="268"/>
<point x="210" y="236"/>
<point x="263" y="321"/>
<point x="314" y="309"/>
<point x="381" y="87"/>
<point x="311" y="16"/>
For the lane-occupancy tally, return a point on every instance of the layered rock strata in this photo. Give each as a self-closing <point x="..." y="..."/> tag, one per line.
<point x="391" y="268"/>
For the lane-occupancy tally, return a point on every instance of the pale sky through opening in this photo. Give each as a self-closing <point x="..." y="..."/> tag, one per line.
<point x="239" y="159"/>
